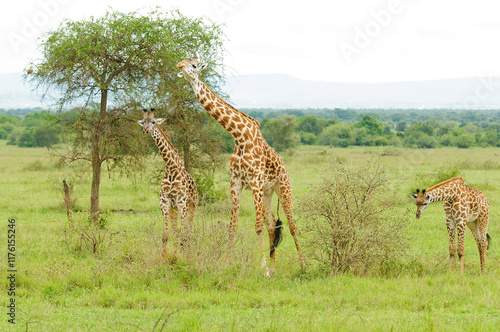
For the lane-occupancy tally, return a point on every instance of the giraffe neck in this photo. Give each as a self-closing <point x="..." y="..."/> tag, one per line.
<point x="167" y="150"/>
<point x="240" y="125"/>
<point x="445" y="191"/>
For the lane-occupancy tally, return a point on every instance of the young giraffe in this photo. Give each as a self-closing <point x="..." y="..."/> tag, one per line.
<point x="178" y="190"/>
<point x="254" y="165"/>
<point x="463" y="205"/>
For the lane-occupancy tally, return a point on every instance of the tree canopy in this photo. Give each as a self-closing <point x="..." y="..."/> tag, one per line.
<point x="112" y="67"/>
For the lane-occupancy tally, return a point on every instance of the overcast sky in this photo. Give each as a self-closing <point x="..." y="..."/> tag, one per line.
<point x="341" y="41"/>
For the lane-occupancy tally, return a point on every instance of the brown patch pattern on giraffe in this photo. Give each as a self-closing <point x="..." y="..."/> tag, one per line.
<point x="464" y="206"/>
<point x="178" y="194"/>
<point x="254" y="165"/>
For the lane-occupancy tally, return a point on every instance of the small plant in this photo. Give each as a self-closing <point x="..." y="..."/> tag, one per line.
<point x="210" y="254"/>
<point x="81" y="234"/>
<point x="34" y="166"/>
<point x="350" y="222"/>
<point x="207" y="191"/>
<point x="447" y="172"/>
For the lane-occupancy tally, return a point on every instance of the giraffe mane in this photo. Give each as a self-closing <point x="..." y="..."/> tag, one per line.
<point x="166" y="138"/>
<point x="255" y="122"/>
<point x="445" y="182"/>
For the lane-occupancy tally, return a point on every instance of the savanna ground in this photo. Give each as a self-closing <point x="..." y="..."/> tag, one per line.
<point x="128" y="286"/>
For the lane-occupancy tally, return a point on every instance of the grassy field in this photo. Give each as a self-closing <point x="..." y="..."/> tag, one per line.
<point x="128" y="286"/>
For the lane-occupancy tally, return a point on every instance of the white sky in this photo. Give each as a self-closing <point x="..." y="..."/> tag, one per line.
<point x="341" y="41"/>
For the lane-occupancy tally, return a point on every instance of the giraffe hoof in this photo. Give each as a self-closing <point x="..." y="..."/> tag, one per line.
<point x="259" y="230"/>
<point x="269" y="272"/>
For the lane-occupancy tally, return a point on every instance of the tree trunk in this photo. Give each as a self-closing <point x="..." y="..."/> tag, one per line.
<point x="96" y="160"/>
<point x="186" y="156"/>
<point x="96" y="180"/>
<point x="67" y="199"/>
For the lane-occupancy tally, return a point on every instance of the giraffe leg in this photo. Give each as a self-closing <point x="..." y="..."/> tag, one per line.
<point x="191" y="210"/>
<point x="173" y="221"/>
<point x="481" y="240"/>
<point x="285" y="194"/>
<point x="185" y="233"/>
<point x="461" y="226"/>
<point x="166" y="213"/>
<point x="451" y="227"/>
<point x="235" y="188"/>
<point x="258" y="194"/>
<point x="192" y="202"/>
<point x="270" y="222"/>
<point x="192" y="207"/>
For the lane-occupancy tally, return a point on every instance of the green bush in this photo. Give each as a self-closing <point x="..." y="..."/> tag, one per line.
<point x="465" y="141"/>
<point x="279" y="132"/>
<point x="207" y="191"/>
<point x="379" y="141"/>
<point x="350" y="222"/>
<point x="307" y="138"/>
<point x="420" y="140"/>
<point x="339" y="134"/>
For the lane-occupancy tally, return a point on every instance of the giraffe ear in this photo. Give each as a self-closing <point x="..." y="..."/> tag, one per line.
<point x="140" y="122"/>
<point x="413" y="196"/>
<point x="202" y="66"/>
<point x="180" y="74"/>
<point x="159" y="120"/>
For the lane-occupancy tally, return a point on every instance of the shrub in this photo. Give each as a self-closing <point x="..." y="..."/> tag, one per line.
<point x="307" y="138"/>
<point x="82" y="235"/>
<point x="350" y="221"/>
<point x="209" y="257"/>
<point x="381" y="141"/>
<point x="206" y="186"/>
<point x="447" y="172"/>
<point x="465" y="141"/>
<point x="279" y="132"/>
<point x="339" y="134"/>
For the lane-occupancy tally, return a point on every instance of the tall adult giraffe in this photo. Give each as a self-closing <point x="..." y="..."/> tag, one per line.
<point x="178" y="192"/>
<point x="463" y="206"/>
<point x="254" y="165"/>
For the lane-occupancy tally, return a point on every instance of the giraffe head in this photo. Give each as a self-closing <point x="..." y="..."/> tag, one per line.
<point x="190" y="69"/>
<point x="148" y="121"/>
<point x="421" y="200"/>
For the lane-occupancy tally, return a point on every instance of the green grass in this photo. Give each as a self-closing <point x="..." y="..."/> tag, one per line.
<point x="127" y="286"/>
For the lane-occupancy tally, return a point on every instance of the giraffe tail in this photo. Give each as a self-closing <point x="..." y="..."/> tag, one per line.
<point x="488" y="238"/>
<point x="278" y="231"/>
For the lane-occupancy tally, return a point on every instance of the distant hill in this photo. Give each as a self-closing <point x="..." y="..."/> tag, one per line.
<point x="283" y="91"/>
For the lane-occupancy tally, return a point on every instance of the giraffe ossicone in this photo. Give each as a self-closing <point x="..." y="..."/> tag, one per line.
<point x="254" y="165"/>
<point x="464" y="206"/>
<point x="178" y="194"/>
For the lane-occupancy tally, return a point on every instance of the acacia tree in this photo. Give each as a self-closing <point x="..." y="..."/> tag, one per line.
<point x="114" y="66"/>
<point x="279" y="132"/>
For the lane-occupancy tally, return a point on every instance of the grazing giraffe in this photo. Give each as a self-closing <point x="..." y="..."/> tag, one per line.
<point x="463" y="206"/>
<point x="178" y="190"/>
<point x="254" y="165"/>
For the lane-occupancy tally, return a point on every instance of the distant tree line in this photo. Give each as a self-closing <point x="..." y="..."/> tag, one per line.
<point x="284" y="129"/>
<point x="409" y="128"/>
<point x="35" y="129"/>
